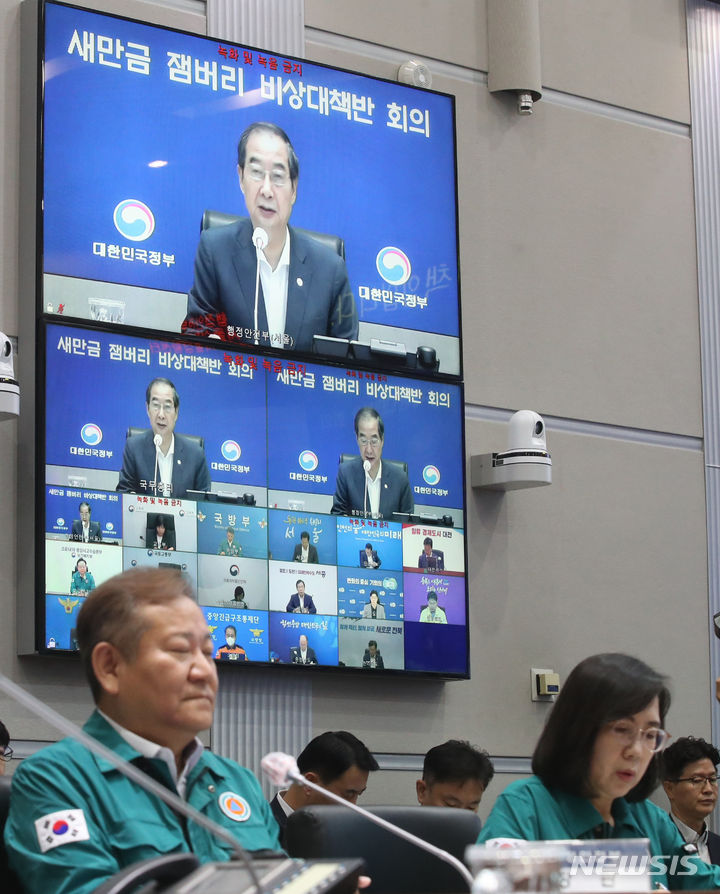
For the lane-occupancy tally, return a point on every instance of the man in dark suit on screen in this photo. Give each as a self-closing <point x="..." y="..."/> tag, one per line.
<point x="305" y="551"/>
<point x="176" y="465"/>
<point x="433" y="559"/>
<point x="83" y="529"/>
<point x="366" y="485"/>
<point x="302" y="653"/>
<point x="304" y="288"/>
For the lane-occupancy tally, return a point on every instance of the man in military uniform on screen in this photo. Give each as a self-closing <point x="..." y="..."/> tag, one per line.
<point x="158" y="461"/>
<point x="303" y="289"/>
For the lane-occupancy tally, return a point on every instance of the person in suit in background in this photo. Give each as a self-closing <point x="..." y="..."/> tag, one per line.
<point x="431" y="558"/>
<point x="374" y="609"/>
<point x="455" y="774"/>
<point x="369" y="558"/>
<point x="301" y="602"/>
<point x="83" y="528"/>
<point x="305" y="551"/>
<point x="688" y="770"/>
<point x="302" y="653"/>
<point x="383" y="489"/>
<point x="180" y="461"/>
<point x="337" y="761"/>
<point x="304" y="289"/>
<point x="372" y="659"/>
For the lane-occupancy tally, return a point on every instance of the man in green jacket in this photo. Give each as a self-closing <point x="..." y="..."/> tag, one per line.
<point x="75" y="819"/>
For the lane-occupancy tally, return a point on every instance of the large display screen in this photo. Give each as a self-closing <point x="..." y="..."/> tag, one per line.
<point x="140" y="135"/>
<point x="263" y="501"/>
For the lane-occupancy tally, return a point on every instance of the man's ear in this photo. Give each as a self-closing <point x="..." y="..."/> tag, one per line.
<point x="421" y="790"/>
<point x="106" y="661"/>
<point x="669" y="788"/>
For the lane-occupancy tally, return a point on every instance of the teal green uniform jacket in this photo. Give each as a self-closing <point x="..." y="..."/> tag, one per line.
<point x="527" y="809"/>
<point x="124" y="823"/>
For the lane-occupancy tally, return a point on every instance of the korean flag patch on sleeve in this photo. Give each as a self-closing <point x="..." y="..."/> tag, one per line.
<point x="61" y="827"/>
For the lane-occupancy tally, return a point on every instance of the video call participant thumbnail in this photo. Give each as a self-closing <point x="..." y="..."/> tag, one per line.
<point x="384" y="488"/>
<point x="228" y="546"/>
<point x="302" y="653"/>
<point x="231" y="651"/>
<point x="432" y="613"/>
<point x="374" y="609"/>
<point x="337" y="761"/>
<point x="431" y="558"/>
<point x="148" y="656"/>
<point x="180" y="462"/>
<point x="238" y="601"/>
<point x="304" y="288"/>
<point x="83" y="528"/>
<point x="305" y="551"/>
<point x="454" y="775"/>
<point x="301" y="602"/>
<point x="369" y="557"/>
<point x="82" y="581"/>
<point x="372" y="659"/>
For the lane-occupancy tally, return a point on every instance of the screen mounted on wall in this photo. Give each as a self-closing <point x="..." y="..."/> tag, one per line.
<point x="141" y="127"/>
<point x="297" y="556"/>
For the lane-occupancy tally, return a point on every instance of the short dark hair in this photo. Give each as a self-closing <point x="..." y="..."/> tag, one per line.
<point x="239" y="591"/>
<point x="299" y="581"/>
<point x="370" y="413"/>
<point x="427" y="541"/>
<point x="457" y="761"/>
<point x="600" y="689"/>
<point x="332" y="754"/>
<point x="230" y="627"/>
<point x="432" y="595"/>
<point x="269" y="127"/>
<point x="376" y="593"/>
<point x="685" y="750"/>
<point x="304" y="535"/>
<point x="161" y="380"/>
<point x="368" y="546"/>
<point x="79" y="560"/>
<point x="372" y="642"/>
<point x="113" y="612"/>
<point x="230" y="530"/>
<point x="160" y="520"/>
<point x="4" y="736"/>
<point x="84" y="503"/>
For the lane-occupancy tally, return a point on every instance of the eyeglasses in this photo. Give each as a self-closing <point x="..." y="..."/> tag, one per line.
<point x="278" y="176"/>
<point x="654" y="739"/>
<point x="698" y="781"/>
<point x="6" y="754"/>
<point x="363" y="441"/>
<point x="166" y="406"/>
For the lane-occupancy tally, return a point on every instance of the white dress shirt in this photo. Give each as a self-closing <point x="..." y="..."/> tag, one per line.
<point x="275" y="289"/>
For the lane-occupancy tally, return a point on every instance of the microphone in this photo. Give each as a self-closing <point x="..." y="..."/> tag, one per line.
<point x="366" y="466"/>
<point x="157" y="441"/>
<point x="281" y="769"/>
<point x="260" y="240"/>
<point x="127" y="769"/>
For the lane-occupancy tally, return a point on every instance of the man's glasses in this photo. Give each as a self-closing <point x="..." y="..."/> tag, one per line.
<point x="364" y="441"/>
<point x="6" y="753"/>
<point x="278" y="177"/>
<point x="698" y="781"/>
<point x="654" y="739"/>
<point x="166" y="406"/>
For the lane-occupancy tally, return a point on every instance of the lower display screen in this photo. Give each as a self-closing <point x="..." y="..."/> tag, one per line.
<point x="317" y="510"/>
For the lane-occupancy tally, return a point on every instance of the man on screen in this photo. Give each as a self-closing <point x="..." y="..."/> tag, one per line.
<point x="180" y="462"/>
<point x="228" y="547"/>
<point x="432" y="613"/>
<point x="75" y="820"/>
<point x="431" y="558"/>
<point x="303" y="290"/>
<point x="381" y="490"/>
<point x="302" y="653"/>
<point x="305" y="551"/>
<point x="83" y="528"/>
<point x="231" y="651"/>
<point x="301" y="602"/>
